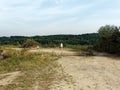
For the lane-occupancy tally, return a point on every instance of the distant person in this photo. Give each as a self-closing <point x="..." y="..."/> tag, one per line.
<point x="61" y="45"/>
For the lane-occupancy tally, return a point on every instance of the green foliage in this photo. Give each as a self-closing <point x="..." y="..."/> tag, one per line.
<point x="109" y="39"/>
<point x="29" y="43"/>
<point x="107" y="31"/>
<point x="53" y="40"/>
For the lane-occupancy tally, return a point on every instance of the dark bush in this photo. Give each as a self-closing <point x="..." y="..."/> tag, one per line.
<point x="30" y="43"/>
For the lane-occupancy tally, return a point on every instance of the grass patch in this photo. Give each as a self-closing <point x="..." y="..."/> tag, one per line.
<point x="39" y="70"/>
<point x="8" y="46"/>
<point x="79" y="47"/>
<point x="82" y="50"/>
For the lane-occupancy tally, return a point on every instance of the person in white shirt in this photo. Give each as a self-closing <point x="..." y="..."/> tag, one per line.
<point x="61" y="45"/>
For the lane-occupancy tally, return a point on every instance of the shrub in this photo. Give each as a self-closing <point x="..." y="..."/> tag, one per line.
<point x="5" y="54"/>
<point x="29" y="43"/>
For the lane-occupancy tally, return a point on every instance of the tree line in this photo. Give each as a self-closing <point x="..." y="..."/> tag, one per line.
<point x="107" y="39"/>
<point x="53" y="40"/>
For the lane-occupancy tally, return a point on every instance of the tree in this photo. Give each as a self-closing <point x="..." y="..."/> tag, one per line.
<point x="109" y="39"/>
<point x="107" y="31"/>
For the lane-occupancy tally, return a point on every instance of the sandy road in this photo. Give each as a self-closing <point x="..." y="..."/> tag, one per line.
<point x="89" y="73"/>
<point x="92" y="73"/>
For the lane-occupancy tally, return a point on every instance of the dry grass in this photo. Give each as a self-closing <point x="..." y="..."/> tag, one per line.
<point x="39" y="70"/>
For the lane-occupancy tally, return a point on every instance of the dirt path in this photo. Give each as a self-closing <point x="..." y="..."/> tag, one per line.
<point x="92" y="73"/>
<point x="63" y="52"/>
<point x="89" y="73"/>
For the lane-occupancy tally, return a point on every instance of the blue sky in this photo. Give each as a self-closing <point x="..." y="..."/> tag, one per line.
<point x="46" y="17"/>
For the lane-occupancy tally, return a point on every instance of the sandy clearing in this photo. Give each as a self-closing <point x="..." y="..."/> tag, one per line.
<point x="8" y="78"/>
<point x="92" y="73"/>
<point x="88" y="73"/>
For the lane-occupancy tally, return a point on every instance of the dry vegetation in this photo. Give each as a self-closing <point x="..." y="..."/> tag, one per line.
<point x="31" y="71"/>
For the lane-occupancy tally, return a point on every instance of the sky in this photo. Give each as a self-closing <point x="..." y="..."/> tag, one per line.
<point x="50" y="17"/>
